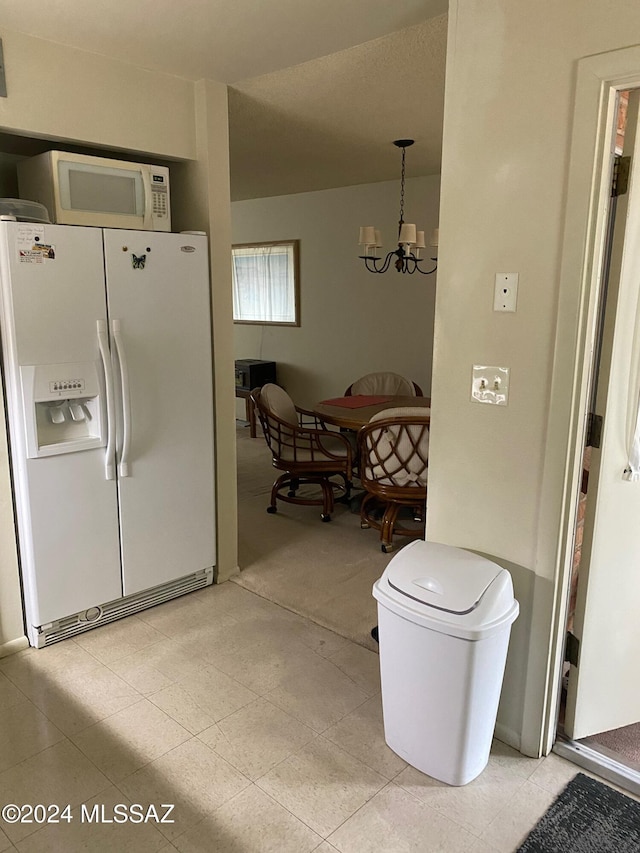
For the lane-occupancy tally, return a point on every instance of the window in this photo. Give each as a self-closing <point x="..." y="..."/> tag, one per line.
<point x="266" y="283"/>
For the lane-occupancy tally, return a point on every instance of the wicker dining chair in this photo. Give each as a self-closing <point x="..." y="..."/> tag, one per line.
<point x="394" y="460"/>
<point x="304" y="450"/>
<point x="384" y="383"/>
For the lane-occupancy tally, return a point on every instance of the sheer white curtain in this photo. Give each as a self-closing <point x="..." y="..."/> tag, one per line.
<point x="263" y="284"/>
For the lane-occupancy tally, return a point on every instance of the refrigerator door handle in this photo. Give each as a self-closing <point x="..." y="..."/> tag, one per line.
<point x="123" y="467"/>
<point x="103" y="345"/>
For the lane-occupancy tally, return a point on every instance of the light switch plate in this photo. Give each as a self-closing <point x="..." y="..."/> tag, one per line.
<point x="505" y="295"/>
<point x="490" y="385"/>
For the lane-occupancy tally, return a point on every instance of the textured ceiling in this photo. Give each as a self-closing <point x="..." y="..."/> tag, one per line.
<point x="319" y="89"/>
<point x="331" y="122"/>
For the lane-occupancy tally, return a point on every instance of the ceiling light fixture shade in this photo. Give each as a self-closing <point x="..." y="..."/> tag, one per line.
<point x="410" y="240"/>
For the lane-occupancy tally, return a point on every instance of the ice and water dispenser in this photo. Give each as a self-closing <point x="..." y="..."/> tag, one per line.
<point x="63" y="413"/>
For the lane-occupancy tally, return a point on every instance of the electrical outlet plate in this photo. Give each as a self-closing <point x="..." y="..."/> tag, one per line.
<point x="505" y="295"/>
<point x="490" y="385"/>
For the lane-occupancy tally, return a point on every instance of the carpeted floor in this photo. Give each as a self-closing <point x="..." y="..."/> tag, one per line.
<point x="587" y="817"/>
<point x="621" y="744"/>
<point x="322" y="571"/>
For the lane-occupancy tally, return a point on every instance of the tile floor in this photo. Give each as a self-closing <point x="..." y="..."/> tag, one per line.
<point x="263" y="729"/>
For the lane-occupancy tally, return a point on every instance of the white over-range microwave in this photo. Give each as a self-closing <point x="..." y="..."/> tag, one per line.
<point x="78" y="189"/>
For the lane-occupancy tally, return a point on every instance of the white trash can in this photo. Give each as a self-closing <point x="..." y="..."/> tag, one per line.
<point x="444" y="620"/>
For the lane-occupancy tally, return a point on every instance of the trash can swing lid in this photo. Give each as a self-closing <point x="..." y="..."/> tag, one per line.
<point x="441" y="576"/>
<point x="448" y="589"/>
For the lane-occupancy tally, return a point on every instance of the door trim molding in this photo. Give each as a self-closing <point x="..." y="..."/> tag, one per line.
<point x="598" y="80"/>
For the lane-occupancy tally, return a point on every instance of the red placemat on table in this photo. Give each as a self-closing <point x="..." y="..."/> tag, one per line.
<point x="357" y="401"/>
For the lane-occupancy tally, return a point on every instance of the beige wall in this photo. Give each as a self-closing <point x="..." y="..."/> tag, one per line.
<point x="352" y="322"/>
<point x="204" y="203"/>
<point x="509" y="104"/>
<point x="60" y="93"/>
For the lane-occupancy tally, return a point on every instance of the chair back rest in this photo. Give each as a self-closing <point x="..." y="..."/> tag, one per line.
<point x="395" y="448"/>
<point x="278" y="402"/>
<point x="384" y="383"/>
<point x="294" y="444"/>
<point x="277" y="415"/>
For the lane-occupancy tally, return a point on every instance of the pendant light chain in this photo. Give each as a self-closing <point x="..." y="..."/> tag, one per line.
<point x="402" y="190"/>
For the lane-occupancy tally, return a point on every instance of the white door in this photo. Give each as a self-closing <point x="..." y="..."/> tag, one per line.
<point x="66" y="509"/>
<point x="604" y="689"/>
<point x="158" y="295"/>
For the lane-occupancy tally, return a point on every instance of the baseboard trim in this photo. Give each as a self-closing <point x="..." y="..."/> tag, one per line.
<point x="13" y="646"/>
<point x="508" y="736"/>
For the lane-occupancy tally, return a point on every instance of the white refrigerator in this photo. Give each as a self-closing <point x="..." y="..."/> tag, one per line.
<point x="107" y="371"/>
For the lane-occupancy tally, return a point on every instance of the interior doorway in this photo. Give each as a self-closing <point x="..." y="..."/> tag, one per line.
<point x="599" y="716"/>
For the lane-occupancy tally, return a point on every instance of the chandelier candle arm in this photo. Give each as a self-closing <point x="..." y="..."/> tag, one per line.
<point x="410" y="240"/>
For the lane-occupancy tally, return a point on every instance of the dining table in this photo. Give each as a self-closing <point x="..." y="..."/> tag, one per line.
<point x="355" y="411"/>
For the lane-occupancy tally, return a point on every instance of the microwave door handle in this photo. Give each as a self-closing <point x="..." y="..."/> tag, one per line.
<point x="148" y="199"/>
<point x="103" y="345"/>
<point x="123" y="467"/>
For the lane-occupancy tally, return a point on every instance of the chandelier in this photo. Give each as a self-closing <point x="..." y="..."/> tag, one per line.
<point x="407" y="255"/>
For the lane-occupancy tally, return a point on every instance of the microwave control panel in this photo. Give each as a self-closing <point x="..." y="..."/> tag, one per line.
<point x="160" y="195"/>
